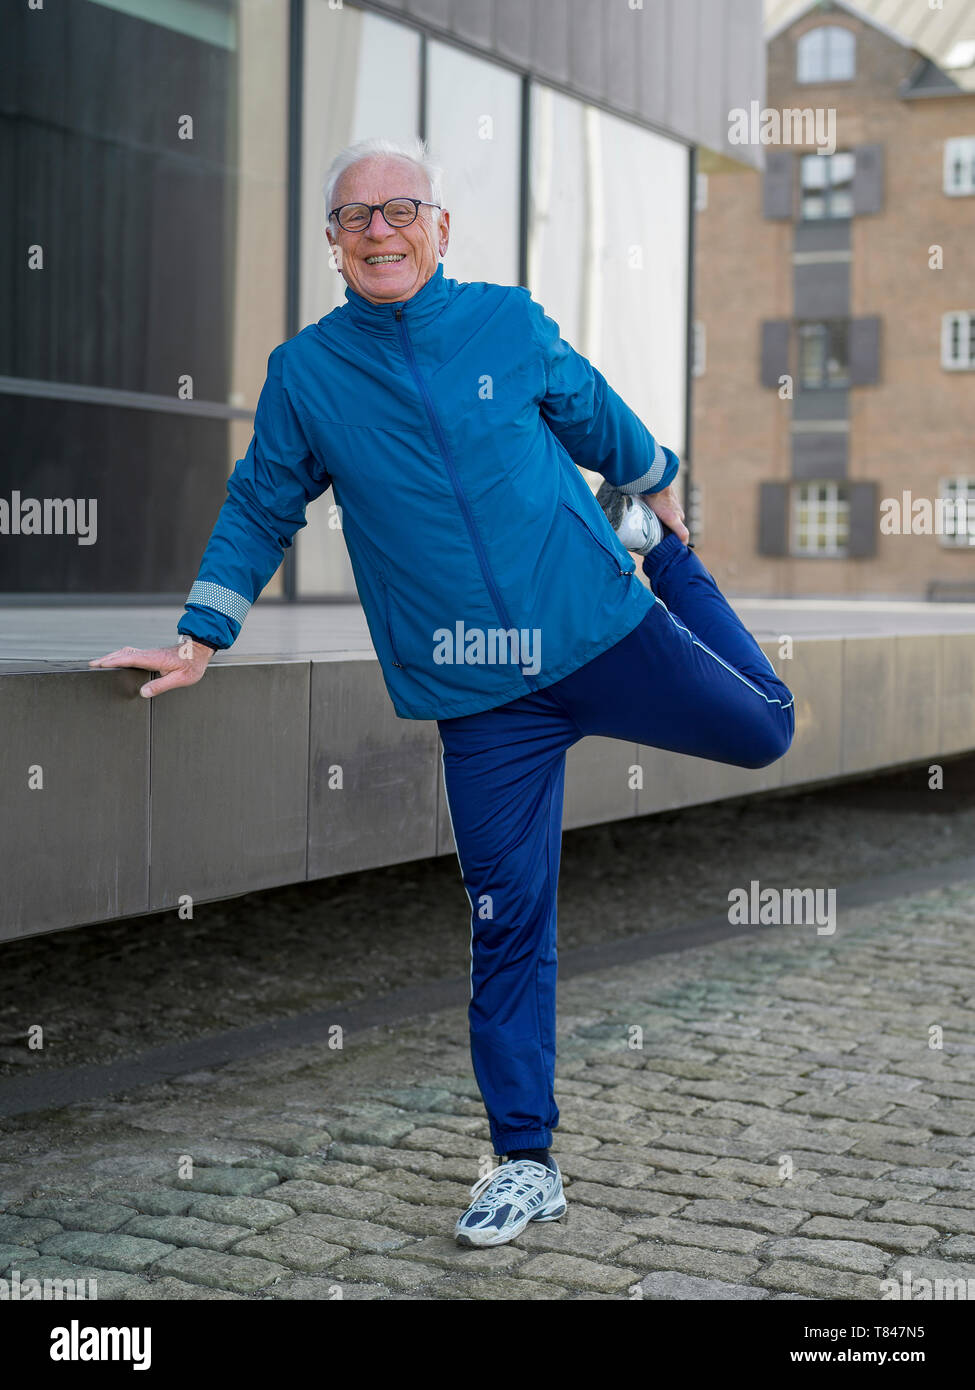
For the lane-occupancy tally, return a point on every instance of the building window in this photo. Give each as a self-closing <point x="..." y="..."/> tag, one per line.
<point x="959" y="166"/>
<point x="824" y="354"/>
<point x="826" y="185"/>
<point x="820" y="519"/>
<point x="959" y="514"/>
<point x="826" y="54"/>
<point x="700" y="349"/>
<point x="958" y="342"/>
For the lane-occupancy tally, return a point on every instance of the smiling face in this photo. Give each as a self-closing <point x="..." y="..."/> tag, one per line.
<point x="416" y="249"/>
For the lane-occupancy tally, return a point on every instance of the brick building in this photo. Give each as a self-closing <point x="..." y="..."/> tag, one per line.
<point x="835" y="314"/>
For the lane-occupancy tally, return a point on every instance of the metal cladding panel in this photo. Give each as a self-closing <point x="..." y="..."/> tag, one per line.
<point x="588" y="27"/>
<point x="512" y="29"/>
<point x="597" y="782"/>
<point x="373" y="776"/>
<point x="550" y="54"/>
<point x="230" y="783"/>
<point x="74" y="848"/>
<point x="680" y="65"/>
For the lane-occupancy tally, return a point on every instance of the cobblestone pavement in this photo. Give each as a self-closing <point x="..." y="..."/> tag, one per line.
<point x="786" y="1130"/>
<point x="107" y="992"/>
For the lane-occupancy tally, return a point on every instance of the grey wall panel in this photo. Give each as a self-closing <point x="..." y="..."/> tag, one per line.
<point x="680" y="65"/>
<point x="957" y="692"/>
<point x="822" y="290"/>
<point x="918" y="683"/>
<point x="878" y="727"/>
<point x="686" y="38"/>
<point x="831" y="403"/>
<point x="654" y="74"/>
<point x="75" y="850"/>
<point x="597" y="774"/>
<point x="551" y="50"/>
<point x="819" y="454"/>
<point x="434" y="12"/>
<point x="814" y="674"/>
<point x="230" y="783"/>
<point x="473" y="20"/>
<point x="713" y="26"/>
<point x="386" y="808"/>
<point x="587" y="36"/>
<point x="832" y="234"/>
<point x="622" y="52"/>
<point x="513" y="29"/>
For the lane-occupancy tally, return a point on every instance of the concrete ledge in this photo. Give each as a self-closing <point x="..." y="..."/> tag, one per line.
<point x="277" y="769"/>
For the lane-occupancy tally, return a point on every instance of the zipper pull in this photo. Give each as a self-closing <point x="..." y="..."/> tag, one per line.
<point x="399" y="314"/>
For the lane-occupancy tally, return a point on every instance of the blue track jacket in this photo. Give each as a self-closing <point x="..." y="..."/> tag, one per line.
<point x="449" y="426"/>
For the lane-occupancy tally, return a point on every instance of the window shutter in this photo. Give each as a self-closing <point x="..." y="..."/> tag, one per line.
<point x="868" y="179"/>
<point x="775" y="350"/>
<point x="773" y="519"/>
<point x="864" y="351"/>
<point x="863" y="519"/>
<point x="777" y="185"/>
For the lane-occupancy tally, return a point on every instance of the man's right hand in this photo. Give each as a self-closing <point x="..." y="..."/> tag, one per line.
<point x="180" y="665"/>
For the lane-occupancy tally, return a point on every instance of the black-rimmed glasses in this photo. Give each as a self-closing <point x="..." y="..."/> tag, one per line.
<point x="398" y="212"/>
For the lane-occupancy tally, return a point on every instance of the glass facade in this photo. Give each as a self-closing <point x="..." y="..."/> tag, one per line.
<point x="607" y="250"/>
<point x="146" y="243"/>
<point x="146" y="148"/>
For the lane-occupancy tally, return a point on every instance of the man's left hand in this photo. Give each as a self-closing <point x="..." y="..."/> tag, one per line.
<point x="666" y="505"/>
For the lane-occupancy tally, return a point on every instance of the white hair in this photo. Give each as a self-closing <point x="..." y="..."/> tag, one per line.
<point x="414" y="150"/>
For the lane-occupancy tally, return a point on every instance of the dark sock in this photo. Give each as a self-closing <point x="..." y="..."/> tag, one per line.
<point x="539" y="1156"/>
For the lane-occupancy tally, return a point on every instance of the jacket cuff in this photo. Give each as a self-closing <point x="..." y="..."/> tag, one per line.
<point x="660" y="474"/>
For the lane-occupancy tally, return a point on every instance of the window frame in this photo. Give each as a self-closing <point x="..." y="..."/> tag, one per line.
<point x="829" y="187"/>
<point x="837" y="504"/>
<point x="831" y="57"/>
<point x="965" y="188"/>
<point x="828" y="327"/>
<point x="953" y="486"/>
<point x="949" y="361"/>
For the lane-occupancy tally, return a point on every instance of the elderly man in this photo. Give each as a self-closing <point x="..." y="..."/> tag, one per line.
<point x="500" y="594"/>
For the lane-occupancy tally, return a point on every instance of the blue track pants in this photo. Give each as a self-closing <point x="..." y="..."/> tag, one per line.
<point x="689" y="678"/>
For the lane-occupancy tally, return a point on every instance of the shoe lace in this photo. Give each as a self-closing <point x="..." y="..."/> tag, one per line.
<point x="510" y="1184"/>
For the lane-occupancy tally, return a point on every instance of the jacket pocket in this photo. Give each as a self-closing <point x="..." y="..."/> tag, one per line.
<point x="611" y="554"/>
<point x="388" y="618"/>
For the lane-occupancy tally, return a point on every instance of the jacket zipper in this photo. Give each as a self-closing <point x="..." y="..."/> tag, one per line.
<point x="612" y="554"/>
<point x="478" y="544"/>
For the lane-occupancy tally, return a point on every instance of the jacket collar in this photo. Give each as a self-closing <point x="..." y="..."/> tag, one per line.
<point x="420" y="309"/>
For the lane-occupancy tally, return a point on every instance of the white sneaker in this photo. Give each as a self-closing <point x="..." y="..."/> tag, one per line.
<point x="507" y="1198"/>
<point x="639" y="528"/>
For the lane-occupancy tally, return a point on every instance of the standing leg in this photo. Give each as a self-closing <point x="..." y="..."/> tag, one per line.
<point x="504" y="773"/>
